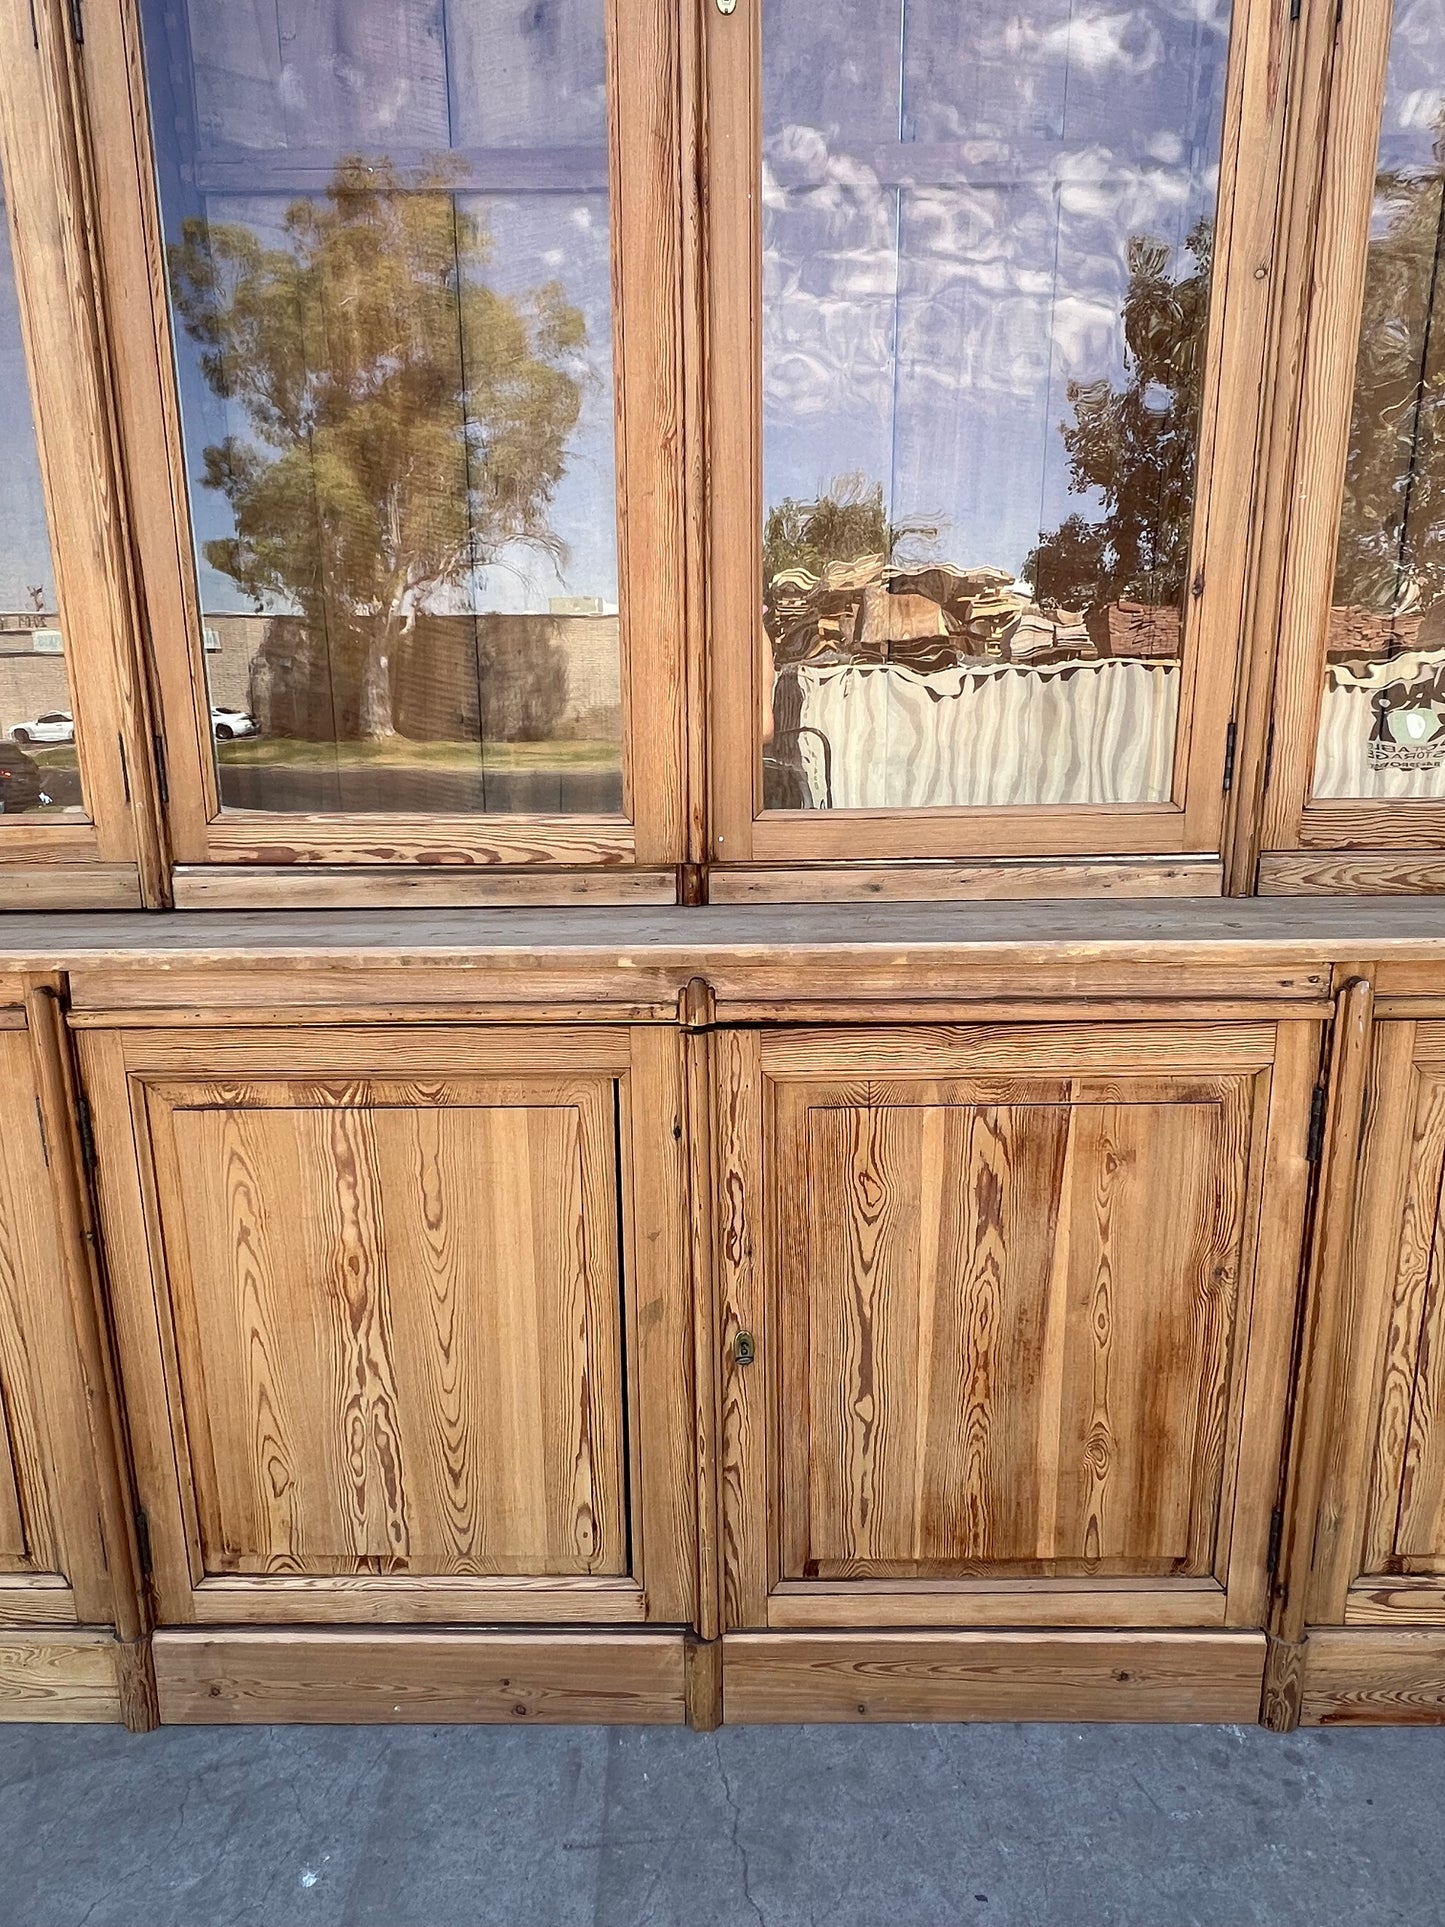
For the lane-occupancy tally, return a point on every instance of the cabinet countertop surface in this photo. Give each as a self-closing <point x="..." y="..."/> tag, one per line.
<point x="1290" y="929"/>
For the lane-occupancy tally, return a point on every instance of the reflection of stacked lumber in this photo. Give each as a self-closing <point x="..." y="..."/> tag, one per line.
<point x="1141" y="629"/>
<point x="927" y="616"/>
<point x="935" y="616"/>
<point x="1360" y="635"/>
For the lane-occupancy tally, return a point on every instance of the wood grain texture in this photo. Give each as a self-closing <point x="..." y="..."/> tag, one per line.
<point x="236" y="887"/>
<point x="1374" y="1678"/>
<point x="1325" y="1289"/>
<point x="1331" y="873"/>
<point x="238" y="1678"/>
<point x="964" y="882"/>
<point x="770" y="1678"/>
<point x="58" y="1677"/>
<point x="396" y="1329"/>
<point x="1014" y="1330"/>
<point x="1341" y="141"/>
<point x="68" y="886"/>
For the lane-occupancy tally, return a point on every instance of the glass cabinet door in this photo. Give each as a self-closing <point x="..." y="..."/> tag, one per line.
<point x="408" y="267"/>
<point x="73" y="748"/>
<point x="1360" y="705"/>
<point x="981" y="423"/>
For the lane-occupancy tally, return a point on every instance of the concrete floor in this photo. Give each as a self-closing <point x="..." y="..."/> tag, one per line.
<point x="763" y="1827"/>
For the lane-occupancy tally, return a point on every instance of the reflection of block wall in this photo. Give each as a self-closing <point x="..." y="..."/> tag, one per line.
<point x="505" y="676"/>
<point x="29" y="686"/>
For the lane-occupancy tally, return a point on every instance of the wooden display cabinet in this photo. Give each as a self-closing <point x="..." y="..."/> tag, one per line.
<point x="70" y="1610"/>
<point x="406" y="1340"/>
<point x="1004" y="1320"/>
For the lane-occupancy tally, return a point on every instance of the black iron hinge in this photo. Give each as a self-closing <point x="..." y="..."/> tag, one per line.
<point x="87" y="1131"/>
<point x="1294" y="7"/>
<point x="143" y="1541"/>
<point x="1230" y="737"/>
<point x="1276" y="1537"/>
<point x="162" y="781"/>
<point x="1316" y="1140"/>
<point x="77" y="25"/>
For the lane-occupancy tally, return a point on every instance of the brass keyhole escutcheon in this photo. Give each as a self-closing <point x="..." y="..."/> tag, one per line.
<point x="745" y="1349"/>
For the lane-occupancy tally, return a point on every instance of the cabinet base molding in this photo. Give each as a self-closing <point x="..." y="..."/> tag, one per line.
<point x="771" y="1678"/>
<point x="71" y="1676"/>
<point x="428" y="1678"/>
<point x="441" y="887"/>
<point x="1370" y="1677"/>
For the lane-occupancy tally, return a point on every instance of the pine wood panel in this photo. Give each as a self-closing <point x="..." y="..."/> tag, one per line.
<point x="1006" y="1355"/>
<point x="776" y="1677"/>
<point x="30" y="1536"/>
<point x="1022" y="1302"/>
<point x="64" y="1677"/>
<point x="1374" y="1679"/>
<point x="304" y="1676"/>
<point x="404" y="1320"/>
<point x="397" y="1330"/>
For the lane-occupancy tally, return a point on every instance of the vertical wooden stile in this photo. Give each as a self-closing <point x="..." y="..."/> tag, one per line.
<point x="1325" y="1281"/>
<point x="60" y="1100"/>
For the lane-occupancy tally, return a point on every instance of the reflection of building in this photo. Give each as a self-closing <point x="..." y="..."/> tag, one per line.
<point x="32" y="678"/>
<point x="457" y="678"/>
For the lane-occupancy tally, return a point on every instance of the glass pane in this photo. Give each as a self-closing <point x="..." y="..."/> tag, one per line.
<point x="388" y="241"/>
<point x="38" y="772"/>
<point x="986" y="255"/>
<point x="1382" y="720"/>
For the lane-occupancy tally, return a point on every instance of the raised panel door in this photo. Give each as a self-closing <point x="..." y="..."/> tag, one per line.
<point x="386" y="1328"/>
<point x="1018" y="1339"/>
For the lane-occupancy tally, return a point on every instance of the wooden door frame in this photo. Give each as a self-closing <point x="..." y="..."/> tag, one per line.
<point x="1309" y="846"/>
<point x="245" y="856"/>
<point x="114" y="860"/>
<point x="120" y="1065"/>
<point x="1279" y="1059"/>
<point x="1193" y="822"/>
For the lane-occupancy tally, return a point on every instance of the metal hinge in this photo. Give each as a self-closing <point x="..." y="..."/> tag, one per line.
<point x="77" y="25"/>
<point x="1314" y="1144"/>
<point x="143" y="1541"/>
<point x="1294" y="7"/>
<point x="44" y="1141"/>
<point x="1268" y="758"/>
<point x="1276" y="1536"/>
<point x="87" y="1131"/>
<point x="1230" y="736"/>
<point x="162" y="780"/>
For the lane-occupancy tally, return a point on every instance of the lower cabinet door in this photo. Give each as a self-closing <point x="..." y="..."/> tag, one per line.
<point x="1006" y="1316"/>
<point x="52" y="1562"/>
<point x="403" y="1319"/>
<point x="1380" y="1541"/>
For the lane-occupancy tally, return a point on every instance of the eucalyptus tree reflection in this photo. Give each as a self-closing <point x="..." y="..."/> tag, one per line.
<point x="1134" y="445"/>
<point x="405" y="424"/>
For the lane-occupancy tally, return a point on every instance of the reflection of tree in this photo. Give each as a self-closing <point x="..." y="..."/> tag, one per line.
<point x="404" y="421"/>
<point x="846" y="521"/>
<point x="1392" y="530"/>
<point x="1136" y="445"/>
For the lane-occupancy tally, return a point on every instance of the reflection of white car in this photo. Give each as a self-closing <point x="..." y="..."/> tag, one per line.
<point x="229" y="723"/>
<point x="58" y="726"/>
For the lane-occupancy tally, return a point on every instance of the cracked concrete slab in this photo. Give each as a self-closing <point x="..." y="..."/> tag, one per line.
<point x="1003" y="1826"/>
